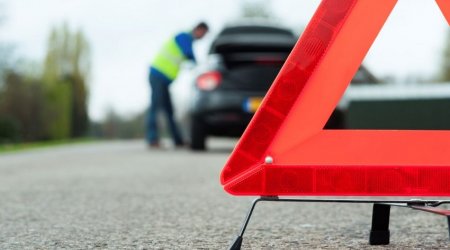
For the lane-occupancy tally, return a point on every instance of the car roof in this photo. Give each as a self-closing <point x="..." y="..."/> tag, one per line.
<point x="253" y="34"/>
<point x="255" y="27"/>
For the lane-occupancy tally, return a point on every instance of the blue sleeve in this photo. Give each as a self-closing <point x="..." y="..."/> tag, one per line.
<point x="184" y="41"/>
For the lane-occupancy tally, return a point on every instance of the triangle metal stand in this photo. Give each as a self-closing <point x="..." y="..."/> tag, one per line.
<point x="379" y="233"/>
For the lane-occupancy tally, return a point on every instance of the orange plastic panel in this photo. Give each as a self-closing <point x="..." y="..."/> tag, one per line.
<point x="287" y="130"/>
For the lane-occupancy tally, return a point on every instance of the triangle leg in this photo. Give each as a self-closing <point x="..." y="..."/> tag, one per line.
<point x="237" y="243"/>
<point x="448" y="223"/>
<point x="379" y="234"/>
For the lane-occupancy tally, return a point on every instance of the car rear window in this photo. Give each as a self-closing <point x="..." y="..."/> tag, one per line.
<point x="252" y="55"/>
<point x="253" y="39"/>
<point x="249" y="29"/>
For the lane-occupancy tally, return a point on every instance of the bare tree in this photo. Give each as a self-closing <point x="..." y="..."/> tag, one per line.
<point x="4" y="52"/>
<point x="2" y="12"/>
<point x="256" y="9"/>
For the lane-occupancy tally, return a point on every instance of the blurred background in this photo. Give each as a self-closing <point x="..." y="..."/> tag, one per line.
<point x="77" y="69"/>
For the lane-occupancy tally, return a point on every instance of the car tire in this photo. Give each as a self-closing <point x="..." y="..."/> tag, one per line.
<point x="198" y="135"/>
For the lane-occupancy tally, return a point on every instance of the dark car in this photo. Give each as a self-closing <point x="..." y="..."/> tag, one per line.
<point x="244" y="61"/>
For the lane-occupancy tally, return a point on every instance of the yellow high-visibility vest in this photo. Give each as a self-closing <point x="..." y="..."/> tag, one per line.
<point x="169" y="59"/>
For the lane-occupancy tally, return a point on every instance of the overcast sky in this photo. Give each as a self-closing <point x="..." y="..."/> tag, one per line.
<point x="124" y="36"/>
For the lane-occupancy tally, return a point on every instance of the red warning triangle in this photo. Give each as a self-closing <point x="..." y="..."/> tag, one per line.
<point x="285" y="150"/>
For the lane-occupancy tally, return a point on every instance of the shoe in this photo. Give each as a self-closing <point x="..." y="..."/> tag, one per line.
<point x="154" y="145"/>
<point x="181" y="145"/>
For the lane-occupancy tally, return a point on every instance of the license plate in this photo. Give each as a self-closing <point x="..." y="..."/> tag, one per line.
<point x="252" y="104"/>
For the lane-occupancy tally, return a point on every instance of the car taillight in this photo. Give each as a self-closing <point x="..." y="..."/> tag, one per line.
<point x="209" y="81"/>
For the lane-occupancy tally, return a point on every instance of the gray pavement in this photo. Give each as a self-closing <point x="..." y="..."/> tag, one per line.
<point x="120" y="195"/>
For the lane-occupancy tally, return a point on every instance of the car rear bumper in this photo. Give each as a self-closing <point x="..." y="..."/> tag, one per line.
<point x="224" y="113"/>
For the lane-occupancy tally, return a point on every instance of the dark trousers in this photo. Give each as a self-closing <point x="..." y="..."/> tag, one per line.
<point x="161" y="101"/>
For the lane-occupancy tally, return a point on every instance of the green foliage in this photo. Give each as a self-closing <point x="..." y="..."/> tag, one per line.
<point x="22" y="101"/>
<point x="68" y="62"/>
<point x="116" y="127"/>
<point x="49" y="102"/>
<point x="68" y="54"/>
<point x="9" y="129"/>
<point x="7" y="147"/>
<point x="445" y="67"/>
<point x="58" y="111"/>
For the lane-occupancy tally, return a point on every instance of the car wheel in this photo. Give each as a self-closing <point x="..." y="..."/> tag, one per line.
<point x="198" y="135"/>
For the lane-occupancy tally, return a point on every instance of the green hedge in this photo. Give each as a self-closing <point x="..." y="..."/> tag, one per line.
<point x="399" y="114"/>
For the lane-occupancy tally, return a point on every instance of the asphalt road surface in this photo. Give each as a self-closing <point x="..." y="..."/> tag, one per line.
<point x="120" y="195"/>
